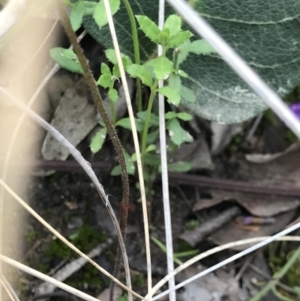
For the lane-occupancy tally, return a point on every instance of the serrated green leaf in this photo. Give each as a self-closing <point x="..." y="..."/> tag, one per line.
<point x="154" y="119"/>
<point x="170" y="115"/>
<point x="150" y="148"/>
<point x="177" y="134"/>
<point x="163" y="37"/>
<point x="172" y="95"/>
<point x="266" y="38"/>
<point x="111" y="56"/>
<point x="179" y="38"/>
<point x="125" y="123"/>
<point x="173" y="23"/>
<point x="187" y="94"/>
<point x="116" y="71"/>
<point x="113" y="94"/>
<point x="129" y="165"/>
<point x="67" y="59"/>
<point x="183" y="166"/>
<point x="98" y="140"/>
<point x="89" y="7"/>
<point x="105" y="81"/>
<point x="184" y="116"/>
<point x="142" y="72"/>
<point x="100" y="14"/>
<point x="162" y="67"/>
<point x="200" y="47"/>
<point x="149" y="28"/>
<point x="76" y="16"/>
<point x="105" y="69"/>
<point x="174" y="82"/>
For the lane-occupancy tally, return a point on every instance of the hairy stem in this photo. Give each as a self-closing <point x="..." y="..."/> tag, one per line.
<point x="148" y="117"/>
<point x="136" y="50"/>
<point x="110" y="128"/>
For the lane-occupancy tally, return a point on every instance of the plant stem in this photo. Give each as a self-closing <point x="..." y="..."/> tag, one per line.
<point x="113" y="112"/>
<point x="136" y="50"/>
<point x="148" y="117"/>
<point x="277" y="276"/>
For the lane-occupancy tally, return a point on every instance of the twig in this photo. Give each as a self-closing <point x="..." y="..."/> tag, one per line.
<point x="44" y="277"/>
<point x="272" y="284"/>
<point x="237" y="64"/>
<point x="213" y="251"/>
<point x="111" y="132"/>
<point x="164" y="166"/>
<point x="76" y="154"/>
<point x="192" y="237"/>
<point x="10" y="14"/>
<point x="71" y="268"/>
<point x="10" y="291"/>
<point x="135" y="140"/>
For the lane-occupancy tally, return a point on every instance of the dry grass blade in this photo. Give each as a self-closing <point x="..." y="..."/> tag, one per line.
<point x="214" y="251"/>
<point x="135" y="139"/>
<point x="9" y="290"/>
<point x="164" y="166"/>
<point x="44" y="277"/>
<point x="63" y="239"/>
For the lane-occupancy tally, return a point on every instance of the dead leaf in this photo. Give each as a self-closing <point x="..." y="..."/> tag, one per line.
<point x="105" y="295"/>
<point x="230" y="232"/>
<point x="259" y="205"/>
<point x="214" y="286"/>
<point x="222" y="135"/>
<point x="197" y="153"/>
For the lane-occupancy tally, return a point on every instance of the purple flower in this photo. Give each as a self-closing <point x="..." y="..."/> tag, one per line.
<point x="296" y="109"/>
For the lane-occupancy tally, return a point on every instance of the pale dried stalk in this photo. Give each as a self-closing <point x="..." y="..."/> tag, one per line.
<point x="164" y="167"/>
<point x="263" y="242"/>
<point x="44" y="277"/>
<point x="62" y="238"/>
<point x="135" y="139"/>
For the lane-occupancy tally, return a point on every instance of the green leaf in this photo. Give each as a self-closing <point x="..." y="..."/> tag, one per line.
<point x="105" y="69"/>
<point x="125" y="123"/>
<point x="149" y="28"/>
<point x="184" y="116"/>
<point x="113" y="94"/>
<point x="105" y="81"/>
<point x="142" y="72"/>
<point x="183" y="166"/>
<point x="266" y="38"/>
<point x="187" y="94"/>
<point x="170" y="115"/>
<point x="154" y="119"/>
<point x="177" y="134"/>
<point x="162" y="67"/>
<point x="89" y="7"/>
<point x="152" y="137"/>
<point x="129" y="165"/>
<point x="111" y="56"/>
<point x="163" y="37"/>
<point x="98" y="140"/>
<point x="173" y="23"/>
<point x="67" y="59"/>
<point x="100" y="13"/>
<point x="174" y="82"/>
<point x="150" y="148"/>
<point x="172" y="95"/>
<point x="76" y="15"/>
<point x="179" y="38"/>
<point x="200" y="47"/>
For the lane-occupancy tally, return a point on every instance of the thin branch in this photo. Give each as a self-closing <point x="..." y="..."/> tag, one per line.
<point x="135" y="139"/>
<point x="76" y="154"/>
<point x="164" y="166"/>
<point x="44" y="277"/>
<point x="237" y="64"/>
<point x="214" y="251"/>
<point x="10" y="14"/>
<point x="10" y="291"/>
